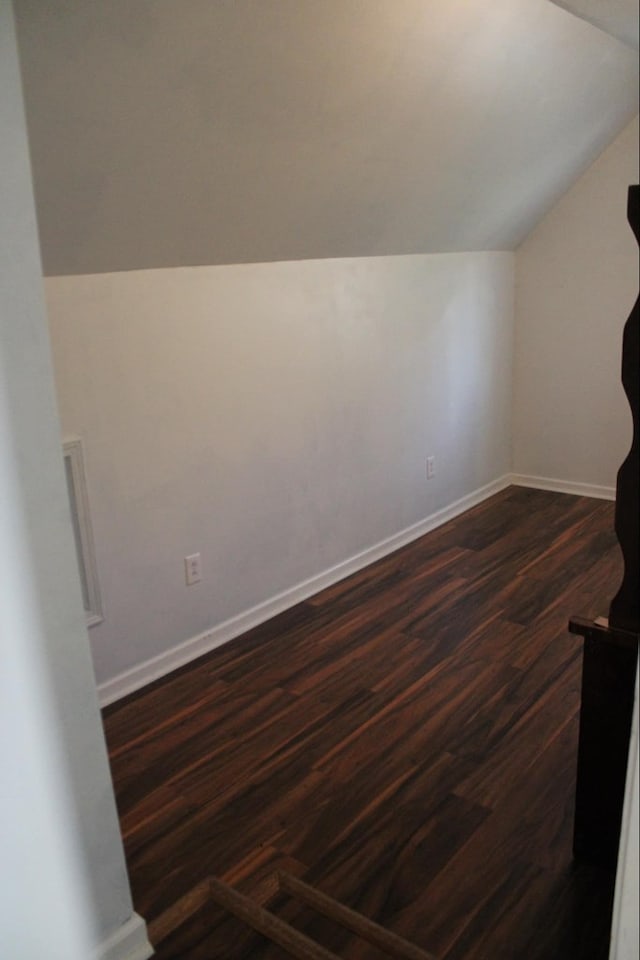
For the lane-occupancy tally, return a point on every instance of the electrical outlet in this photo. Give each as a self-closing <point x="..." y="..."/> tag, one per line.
<point x="431" y="467"/>
<point x="193" y="569"/>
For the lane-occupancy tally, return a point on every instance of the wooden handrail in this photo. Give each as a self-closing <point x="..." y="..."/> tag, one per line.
<point x="379" y="936"/>
<point x="267" y="923"/>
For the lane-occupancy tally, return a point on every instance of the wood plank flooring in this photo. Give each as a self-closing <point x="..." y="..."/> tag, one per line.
<point x="404" y="740"/>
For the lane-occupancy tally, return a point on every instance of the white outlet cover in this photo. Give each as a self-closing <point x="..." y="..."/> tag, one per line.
<point x="193" y="569"/>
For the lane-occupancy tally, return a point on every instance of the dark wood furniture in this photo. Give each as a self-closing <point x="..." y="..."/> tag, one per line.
<point x="611" y="644"/>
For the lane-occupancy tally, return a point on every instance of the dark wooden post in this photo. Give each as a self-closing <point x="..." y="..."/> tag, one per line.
<point x="611" y="645"/>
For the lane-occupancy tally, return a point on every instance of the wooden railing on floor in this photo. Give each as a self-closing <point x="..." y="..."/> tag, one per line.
<point x="212" y="890"/>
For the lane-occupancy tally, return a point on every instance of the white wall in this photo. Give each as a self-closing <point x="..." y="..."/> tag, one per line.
<point x="576" y="281"/>
<point x="64" y="883"/>
<point x="625" y="935"/>
<point x="274" y="417"/>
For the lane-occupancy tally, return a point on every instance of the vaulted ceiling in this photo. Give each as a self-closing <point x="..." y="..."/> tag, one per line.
<point x="617" y="17"/>
<point x="169" y="133"/>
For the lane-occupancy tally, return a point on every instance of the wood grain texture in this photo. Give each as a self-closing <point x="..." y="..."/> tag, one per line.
<point x="387" y="941"/>
<point x="404" y="741"/>
<point x="608" y="687"/>
<point x="624" y="611"/>
<point x="265" y="922"/>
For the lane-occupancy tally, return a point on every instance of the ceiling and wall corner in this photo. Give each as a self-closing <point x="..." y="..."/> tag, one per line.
<point x="259" y="130"/>
<point x="576" y="281"/>
<point x="270" y="129"/>
<point x="616" y="17"/>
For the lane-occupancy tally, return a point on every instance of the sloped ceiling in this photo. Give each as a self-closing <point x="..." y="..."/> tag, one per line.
<point x="620" y="18"/>
<point x="169" y="133"/>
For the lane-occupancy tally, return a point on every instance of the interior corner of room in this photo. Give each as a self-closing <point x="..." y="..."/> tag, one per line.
<point x="317" y="279"/>
<point x="276" y="418"/>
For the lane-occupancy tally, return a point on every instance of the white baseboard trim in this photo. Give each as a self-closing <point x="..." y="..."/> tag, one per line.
<point x="128" y="942"/>
<point x="139" y="676"/>
<point x="564" y="486"/>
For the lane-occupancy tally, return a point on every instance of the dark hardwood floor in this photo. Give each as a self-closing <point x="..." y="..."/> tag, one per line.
<point x="404" y="740"/>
